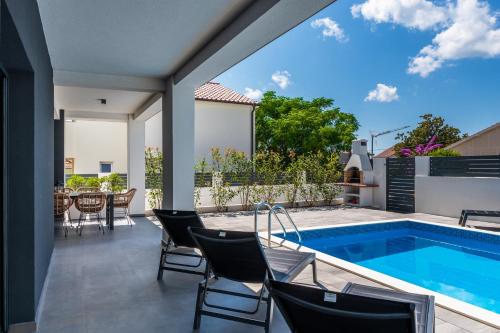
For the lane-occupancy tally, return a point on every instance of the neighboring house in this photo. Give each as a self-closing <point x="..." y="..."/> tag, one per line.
<point x="223" y="118"/>
<point x="485" y="142"/>
<point x="389" y="152"/>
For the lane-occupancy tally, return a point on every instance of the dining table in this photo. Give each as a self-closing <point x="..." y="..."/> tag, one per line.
<point x="110" y="208"/>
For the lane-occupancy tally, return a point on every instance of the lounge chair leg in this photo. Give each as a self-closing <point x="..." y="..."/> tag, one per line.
<point x="160" y="267"/>
<point x="315" y="274"/>
<point x="199" y="303"/>
<point x="269" y="314"/>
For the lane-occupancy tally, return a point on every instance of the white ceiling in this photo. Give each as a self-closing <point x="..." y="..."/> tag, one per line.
<point x="147" y="38"/>
<point x="86" y="99"/>
<point x="122" y="50"/>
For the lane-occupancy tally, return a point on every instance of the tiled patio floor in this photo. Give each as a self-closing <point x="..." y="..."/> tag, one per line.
<point x="107" y="283"/>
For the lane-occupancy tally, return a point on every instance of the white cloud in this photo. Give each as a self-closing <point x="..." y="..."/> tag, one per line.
<point x="255" y="94"/>
<point x="330" y="28"/>
<point x="465" y="29"/>
<point x="282" y="78"/>
<point x="416" y="14"/>
<point x="472" y="33"/>
<point x="382" y="93"/>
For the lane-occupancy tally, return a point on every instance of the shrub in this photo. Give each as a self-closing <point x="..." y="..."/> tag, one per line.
<point x="310" y="192"/>
<point x="75" y="182"/>
<point x="241" y="173"/>
<point x="201" y="168"/>
<point x="331" y="171"/>
<point x="442" y="152"/>
<point x="93" y="182"/>
<point x="268" y="166"/>
<point x="113" y="183"/>
<point x="154" y="174"/>
<point x="221" y="190"/>
<point x="295" y="179"/>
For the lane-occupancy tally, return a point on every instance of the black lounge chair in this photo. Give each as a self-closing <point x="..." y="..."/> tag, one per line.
<point x="307" y="309"/>
<point x="239" y="256"/>
<point x="176" y="223"/>
<point x="483" y="213"/>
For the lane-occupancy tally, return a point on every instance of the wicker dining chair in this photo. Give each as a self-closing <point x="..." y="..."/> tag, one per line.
<point x="122" y="201"/>
<point x="89" y="204"/>
<point x="88" y="190"/>
<point x="62" y="203"/>
<point x="68" y="190"/>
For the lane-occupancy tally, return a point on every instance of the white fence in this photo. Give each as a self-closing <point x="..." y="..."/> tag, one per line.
<point x="445" y="196"/>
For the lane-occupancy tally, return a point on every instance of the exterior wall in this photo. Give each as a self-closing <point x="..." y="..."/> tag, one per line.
<point x="216" y="125"/>
<point x="90" y="142"/>
<point x="447" y="196"/>
<point x="484" y="144"/>
<point x="221" y="125"/>
<point x="29" y="158"/>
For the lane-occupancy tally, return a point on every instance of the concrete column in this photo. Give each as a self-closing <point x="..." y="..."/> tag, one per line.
<point x="178" y="146"/>
<point x="136" y="169"/>
<point x="59" y="149"/>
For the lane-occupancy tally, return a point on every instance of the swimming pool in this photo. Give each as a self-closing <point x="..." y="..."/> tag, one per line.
<point x="456" y="262"/>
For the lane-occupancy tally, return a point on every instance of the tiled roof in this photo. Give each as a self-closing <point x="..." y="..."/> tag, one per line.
<point x="389" y="152"/>
<point x="216" y="92"/>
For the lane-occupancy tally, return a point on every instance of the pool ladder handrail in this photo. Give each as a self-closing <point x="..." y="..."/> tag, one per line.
<point x="264" y="204"/>
<point x="273" y="210"/>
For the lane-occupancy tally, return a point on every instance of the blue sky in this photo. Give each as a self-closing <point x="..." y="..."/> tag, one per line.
<point x="443" y="57"/>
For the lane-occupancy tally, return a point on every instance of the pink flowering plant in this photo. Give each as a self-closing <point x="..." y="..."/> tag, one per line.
<point x="421" y="149"/>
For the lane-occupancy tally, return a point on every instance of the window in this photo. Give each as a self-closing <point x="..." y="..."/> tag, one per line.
<point x="105" y="167"/>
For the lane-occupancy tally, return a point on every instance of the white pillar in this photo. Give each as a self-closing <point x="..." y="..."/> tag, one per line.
<point x="422" y="166"/>
<point x="379" y="178"/>
<point x="178" y="146"/>
<point x="136" y="138"/>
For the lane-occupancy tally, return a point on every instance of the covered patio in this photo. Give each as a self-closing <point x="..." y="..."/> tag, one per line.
<point x="108" y="284"/>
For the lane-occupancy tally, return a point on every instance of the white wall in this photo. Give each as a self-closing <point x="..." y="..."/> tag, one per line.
<point x="221" y="125"/>
<point x="379" y="178"/>
<point x="90" y="142"/>
<point x="449" y="195"/>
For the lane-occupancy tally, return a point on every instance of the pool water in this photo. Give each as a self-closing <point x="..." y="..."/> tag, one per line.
<point x="458" y="263"/>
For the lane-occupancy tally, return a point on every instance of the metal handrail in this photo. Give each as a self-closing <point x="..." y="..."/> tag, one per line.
<point x="273" y="210"/>
<point x="264" y="204"/>
<point x="258" y="206"/>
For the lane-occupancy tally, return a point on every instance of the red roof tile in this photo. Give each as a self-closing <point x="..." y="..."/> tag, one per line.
<point x="216" y="92"/>
<point x="389" y="152"/>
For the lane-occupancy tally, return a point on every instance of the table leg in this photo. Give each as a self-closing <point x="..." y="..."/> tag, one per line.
<point x="110" y="211"/>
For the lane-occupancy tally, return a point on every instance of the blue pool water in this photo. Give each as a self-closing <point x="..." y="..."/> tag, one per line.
<point x="458" y="263"/>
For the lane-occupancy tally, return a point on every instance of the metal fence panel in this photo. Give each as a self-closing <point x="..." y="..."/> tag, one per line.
<point x="466" y="166"/>
<point x="400" y="189"/>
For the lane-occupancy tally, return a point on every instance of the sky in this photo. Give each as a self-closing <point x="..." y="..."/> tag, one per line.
<point x="387" y="62"/>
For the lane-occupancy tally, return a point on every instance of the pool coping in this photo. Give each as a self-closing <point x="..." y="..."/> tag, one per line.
<point x="466" y="309"/>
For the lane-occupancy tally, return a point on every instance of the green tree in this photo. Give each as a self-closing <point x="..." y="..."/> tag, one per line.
<point x="286" y="125"/>
<point x="429" y="126"/>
